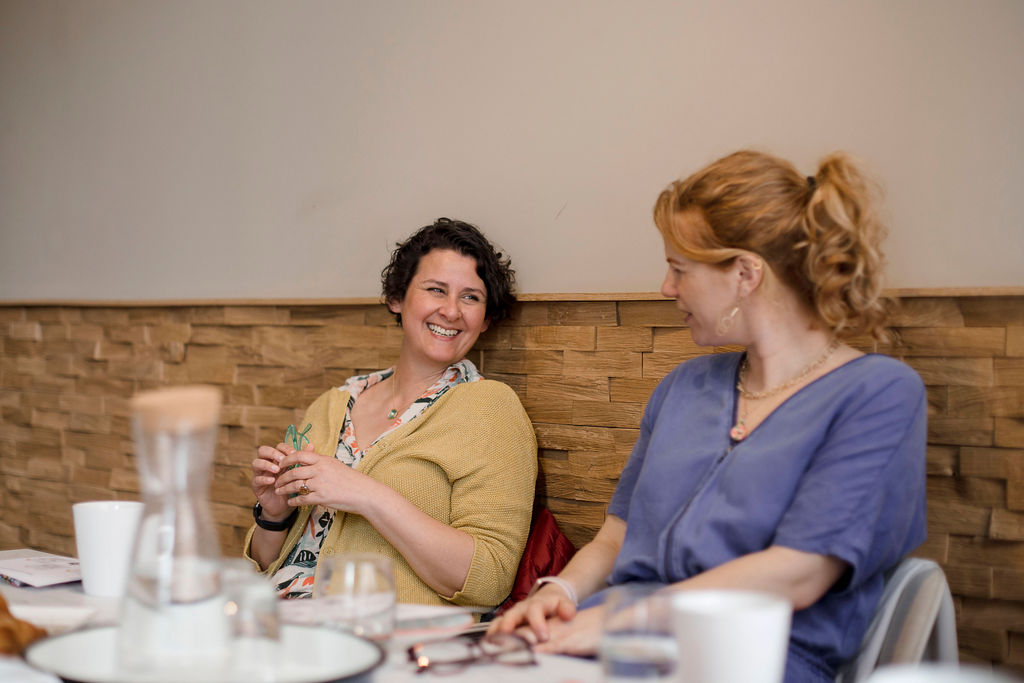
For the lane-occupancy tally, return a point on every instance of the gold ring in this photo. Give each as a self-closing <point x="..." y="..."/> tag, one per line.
<point x="303" y="490"/>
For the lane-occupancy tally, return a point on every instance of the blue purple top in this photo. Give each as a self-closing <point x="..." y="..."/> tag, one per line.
<point x="838" y="469"/>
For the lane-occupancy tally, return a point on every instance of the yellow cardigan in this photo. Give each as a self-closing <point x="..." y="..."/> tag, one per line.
<point x="469" y="461"/>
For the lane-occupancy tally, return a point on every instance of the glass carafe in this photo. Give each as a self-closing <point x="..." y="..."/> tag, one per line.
<point x="173" y="611"/>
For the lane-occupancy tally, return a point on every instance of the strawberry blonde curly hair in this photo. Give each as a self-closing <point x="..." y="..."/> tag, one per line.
<point x="820" y="234"/>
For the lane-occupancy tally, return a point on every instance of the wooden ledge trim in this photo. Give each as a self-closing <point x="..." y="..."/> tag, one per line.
<point x="901" y="293"/>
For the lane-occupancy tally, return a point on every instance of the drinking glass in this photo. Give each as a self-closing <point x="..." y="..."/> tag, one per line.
<point x="255" y="626"/>
<point x="356" y="592"/>
<point x="637" y="641"/>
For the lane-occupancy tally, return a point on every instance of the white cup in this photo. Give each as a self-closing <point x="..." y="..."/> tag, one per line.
<point x="725" y="636"/>
<point x="927" y="672"/>
<point x="105" y="536"/>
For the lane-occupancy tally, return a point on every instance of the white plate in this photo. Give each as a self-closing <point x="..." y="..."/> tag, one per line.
<point x="55" y="619"/>
<point x="309" y="655"/>
<point x="15" y="669"/>
<point x="417" y="618"/>
<point x="428" y="622"/>
<point x="409" y="619"/>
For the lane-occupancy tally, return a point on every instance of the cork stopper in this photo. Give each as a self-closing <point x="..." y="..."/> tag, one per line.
<point x="177" y="409"/>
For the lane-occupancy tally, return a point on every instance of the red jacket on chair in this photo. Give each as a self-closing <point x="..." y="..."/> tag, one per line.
<point x="547" y="552"/>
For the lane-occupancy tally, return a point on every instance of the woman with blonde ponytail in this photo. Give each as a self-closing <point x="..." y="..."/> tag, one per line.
<point x="795" y="466"/>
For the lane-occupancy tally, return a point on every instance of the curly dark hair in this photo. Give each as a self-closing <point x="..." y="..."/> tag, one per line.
<point x="491" y="266"/>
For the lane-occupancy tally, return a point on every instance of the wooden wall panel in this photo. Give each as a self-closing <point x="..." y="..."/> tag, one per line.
<point x="583" y="369"/>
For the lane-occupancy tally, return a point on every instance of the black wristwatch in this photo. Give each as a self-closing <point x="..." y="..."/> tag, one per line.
<point x="283" y="525"/>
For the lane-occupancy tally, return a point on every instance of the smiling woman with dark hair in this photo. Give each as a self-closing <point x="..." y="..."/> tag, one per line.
<point x="494" y="270"/>
<point x="425" y="462"/>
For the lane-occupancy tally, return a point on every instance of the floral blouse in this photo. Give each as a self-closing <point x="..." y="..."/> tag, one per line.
<point x="295" y="577"/>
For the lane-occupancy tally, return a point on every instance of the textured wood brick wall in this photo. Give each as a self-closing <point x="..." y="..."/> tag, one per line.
<point x="584" y="370"/>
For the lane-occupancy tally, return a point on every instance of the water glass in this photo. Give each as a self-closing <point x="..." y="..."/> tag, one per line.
<point x="356" y="592"/>
<point x="637" y="640"/>
<point x="255" y="627"/>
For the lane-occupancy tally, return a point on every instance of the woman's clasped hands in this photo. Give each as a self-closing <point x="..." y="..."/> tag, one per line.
<point x="549" y="620"/>
<point x="284" y="477"/>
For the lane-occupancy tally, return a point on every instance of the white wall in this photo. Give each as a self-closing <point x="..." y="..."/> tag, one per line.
<point x="152" y="149"/>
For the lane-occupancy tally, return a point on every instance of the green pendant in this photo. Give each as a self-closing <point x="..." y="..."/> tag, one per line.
<point x="391" y="415"/>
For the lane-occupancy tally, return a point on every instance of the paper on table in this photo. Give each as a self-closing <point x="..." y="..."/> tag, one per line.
<point x="40" y="569"/>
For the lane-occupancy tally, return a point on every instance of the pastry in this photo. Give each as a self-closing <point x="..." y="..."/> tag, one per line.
<point x="16" y="634"/>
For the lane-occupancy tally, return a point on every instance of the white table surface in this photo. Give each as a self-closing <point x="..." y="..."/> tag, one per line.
<point x="68" y="604"/>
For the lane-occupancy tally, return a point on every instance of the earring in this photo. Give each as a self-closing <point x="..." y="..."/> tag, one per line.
<point x="728" y="319"/>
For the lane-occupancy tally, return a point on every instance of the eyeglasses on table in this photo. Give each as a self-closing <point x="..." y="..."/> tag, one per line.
<point x="454" y="654"/>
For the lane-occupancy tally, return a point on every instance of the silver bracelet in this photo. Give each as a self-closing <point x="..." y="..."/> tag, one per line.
<point x="558" y="581"/>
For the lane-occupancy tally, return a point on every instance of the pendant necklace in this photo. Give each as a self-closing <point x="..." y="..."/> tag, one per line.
<point x="739" y="430"/>
<point x="394" y="382"/>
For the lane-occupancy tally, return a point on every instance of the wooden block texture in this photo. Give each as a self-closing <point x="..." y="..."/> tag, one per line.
<point x="583" y="369"/>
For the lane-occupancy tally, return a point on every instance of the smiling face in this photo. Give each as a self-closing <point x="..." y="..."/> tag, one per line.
<point x="703" y="292"/>
<point x="444" y="309"/>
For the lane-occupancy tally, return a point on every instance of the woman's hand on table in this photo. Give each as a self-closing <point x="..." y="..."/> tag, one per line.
<point x="534" y="615"/>
<point x="579" y="635"/>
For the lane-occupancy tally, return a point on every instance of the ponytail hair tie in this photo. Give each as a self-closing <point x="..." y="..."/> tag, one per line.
<point x="812" y="183"/>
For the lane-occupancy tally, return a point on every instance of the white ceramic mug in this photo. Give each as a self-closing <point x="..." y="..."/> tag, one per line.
<point x="105" y="536"/>
<point x="932" y="672"/>
<point x="725" y="636"/>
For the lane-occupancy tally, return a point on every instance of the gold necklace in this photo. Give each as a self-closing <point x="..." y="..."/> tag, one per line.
<point x="739" y="430"/>
<point x="394" y="383"/>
